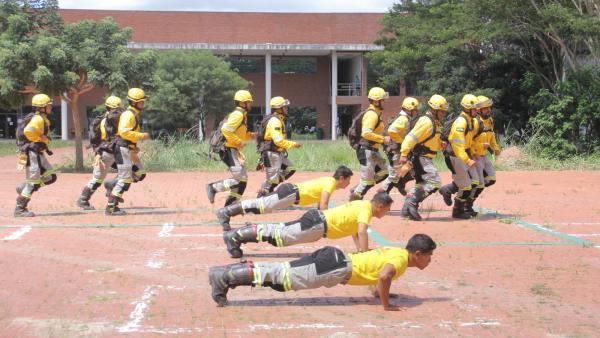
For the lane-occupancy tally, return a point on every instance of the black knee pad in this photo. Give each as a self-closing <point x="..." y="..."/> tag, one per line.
<point x="490" y="183"/>
<point x="53" y="178"/>
<point x="241" y="187"/>
<point x="126" y="187"/>
<point x="286" y="190"/>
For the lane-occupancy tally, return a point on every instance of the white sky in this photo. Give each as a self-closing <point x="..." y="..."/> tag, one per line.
<point x="327" y="6"/>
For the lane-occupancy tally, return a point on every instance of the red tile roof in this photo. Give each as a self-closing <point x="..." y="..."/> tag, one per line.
<point x="229" y="27"/>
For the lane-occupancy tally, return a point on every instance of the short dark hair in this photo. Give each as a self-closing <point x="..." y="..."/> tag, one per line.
<point x="422" y="243"/>
<point x="342" y="171"/>
<point x="382" y="198"/>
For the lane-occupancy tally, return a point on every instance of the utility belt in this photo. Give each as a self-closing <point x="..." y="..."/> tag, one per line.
<point x="391" y="148"/>
<point x="38" y="147"/>
<point x="450" y="152"/>
<point x="121" y="142"/>
<point x="106" y="147"/>
<point x="421" y="150"/>
<point x="366" y="144"/>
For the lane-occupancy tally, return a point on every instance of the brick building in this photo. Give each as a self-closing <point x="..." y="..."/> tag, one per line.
<point x="314" y="59"/>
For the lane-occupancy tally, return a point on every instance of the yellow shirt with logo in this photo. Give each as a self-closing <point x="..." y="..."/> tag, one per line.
<point x="487" y="136"/>
<point x="366" y="266"/>
<point x="310" y="191"/>
<point x="461" y="136"/>
<point x="420" y="132"/>
<point x="274" y="132"/>
<point x="343" y="221"/>
<point x="38" y="126"/>
<point x="129" y="128"/>
<point x="372" y="126"/>
<point x="235" y="129"/>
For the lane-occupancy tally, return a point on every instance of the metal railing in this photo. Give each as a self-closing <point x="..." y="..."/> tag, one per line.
<point x="349" y="89"/>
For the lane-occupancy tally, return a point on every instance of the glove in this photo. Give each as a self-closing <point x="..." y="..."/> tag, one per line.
<point x="22" y="161"/>
<point x="403" y="169"/>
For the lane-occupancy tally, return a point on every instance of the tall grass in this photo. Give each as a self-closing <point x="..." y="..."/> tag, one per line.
<point x="9" y="147"/>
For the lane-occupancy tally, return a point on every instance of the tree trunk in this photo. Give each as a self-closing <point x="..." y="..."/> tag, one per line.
<point x="78" y="131"/>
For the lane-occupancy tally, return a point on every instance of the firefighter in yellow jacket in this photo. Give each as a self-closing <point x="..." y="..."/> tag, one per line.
<point x="458" y="156"/>
<point x="278" y="167"/>
<point x="420" y="146"/>
<point x="397" y="131"/>
<point x="104" y="155"/>
<point x="235" y="131"/>
<point x="484" y="141"/>
<point x="373" y="168"/>
<point x="130" y="168"/>
<point x="33" y="142"/>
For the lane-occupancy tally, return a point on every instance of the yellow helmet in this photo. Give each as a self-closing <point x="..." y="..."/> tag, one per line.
<point x="410" y="103"/>
<point x="484" y="101"/>
<point x="469" y="101"/>
<point x="242" y="96"/>
<point x="438" y="102"/>
<point x="279" y="102"/>
<point x="136" y="95"/>
<point x="41" y="100"/>
<point x="377" y="93"/>
<point x="113" y="102"/>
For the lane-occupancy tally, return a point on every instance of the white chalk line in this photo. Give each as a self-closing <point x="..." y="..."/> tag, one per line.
<point x="155" y="261"/>
<point x="166" y="229"/>
<point x="18" y="234"/>
<point x="576" y="223"/>
<point x="585" y="235"/>
<point x="138" y="313"/>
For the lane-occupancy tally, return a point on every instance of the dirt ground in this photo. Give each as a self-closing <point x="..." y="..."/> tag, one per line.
<point x="528" y="267"/>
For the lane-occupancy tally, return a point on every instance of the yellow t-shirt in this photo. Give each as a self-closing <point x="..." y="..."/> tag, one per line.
<point x="343" y="221"/>
<point x="366" y="266"/>
<point x="310" y="191"/>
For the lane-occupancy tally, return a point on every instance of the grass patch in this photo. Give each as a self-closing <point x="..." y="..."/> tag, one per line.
<point x="9" y="147"/>
<point x="541" y="290"/>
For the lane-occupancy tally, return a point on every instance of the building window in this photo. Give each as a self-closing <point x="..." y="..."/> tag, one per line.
<point x="254" y="117"/>
<point x="247" y="64"/>
<point x="294" y="65"/>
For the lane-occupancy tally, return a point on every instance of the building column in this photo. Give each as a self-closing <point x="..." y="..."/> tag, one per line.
<point x="268" y="82"/>
<point x="334" y="84"/>
<point x="64" y="119"/>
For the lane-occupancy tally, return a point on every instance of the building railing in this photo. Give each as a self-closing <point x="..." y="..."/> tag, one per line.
<point x="349" y="89"/>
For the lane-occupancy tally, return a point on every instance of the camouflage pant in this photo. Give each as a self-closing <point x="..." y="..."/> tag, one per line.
<point x="100" y="169"/>
<point x="236" y="185"/>
<point x="284" y="196"/>
<point x="373" y="168"/>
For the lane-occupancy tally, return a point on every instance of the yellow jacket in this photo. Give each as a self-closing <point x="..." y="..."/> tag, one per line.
<point x="129" y="126"/>
<point x="398" y="129"/>
<point x="461" y="136"/>
<point x="235" y="129"/>
<point x="423" y="130"/>
<point x="486" y="135"/>
<point x="275" y="132"/>
<point x="372" y="127"/>
<point x="38" y="126"/>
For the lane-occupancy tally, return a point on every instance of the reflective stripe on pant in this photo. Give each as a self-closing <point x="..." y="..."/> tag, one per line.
<point x="125" y="162"/>
<point x="100" y="169"/>
<point x="310" y="227"/>
<point x="326" y="267"/>
<point x="426" y="176"/>
<point x="284" y="197"/>
<point x="231" y="158"/>
<point x="489" y="170"/>
<point x="461" y="176"/>
<point x="38" y="172"/>
<point x="369" y="160"/>
<point x="274" y="164"/>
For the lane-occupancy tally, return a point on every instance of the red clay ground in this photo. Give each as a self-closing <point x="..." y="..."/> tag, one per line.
<point x="67" y="274"/>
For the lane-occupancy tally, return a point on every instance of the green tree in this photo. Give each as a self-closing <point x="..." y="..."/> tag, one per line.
<point x="189" y="86"/>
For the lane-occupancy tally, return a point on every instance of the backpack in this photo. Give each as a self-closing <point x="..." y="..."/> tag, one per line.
<point x="95" y="135"/>
<point x="111" y="126"/>
<point x="21" y="139"/>
<point x="448" y="126"/>
<point x="216" y="141"/>
<point x="355" y="131"/>
<point x="481" y="129"/>
<point x="261" y="129"/>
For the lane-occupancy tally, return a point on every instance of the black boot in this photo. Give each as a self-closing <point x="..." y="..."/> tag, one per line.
<point x="469" y="208"/>
<point x="411" y="204"/>
<point x="235" y="238"/>
<point x="224" y="214"/>
<point x="222" y="278"/>
<point x="447" y="191"/>
<point x="21" y="208"/>
<point x="210" y="193"/>
<point x="458" y="211"/>
<point x="112" y="208"/>
<point x="84" y="200"/>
